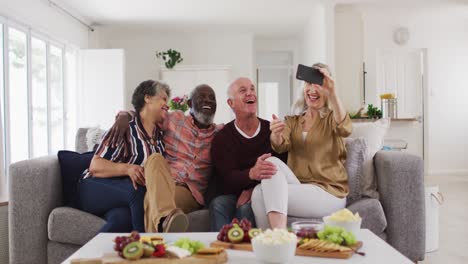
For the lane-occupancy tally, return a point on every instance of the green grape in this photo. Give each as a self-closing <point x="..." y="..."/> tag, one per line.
<point x="349" y="238"/>
<point x="337" y="235"/>
<point x="335" y="238"/>
<point x="191" y="245"/>
<point x="321" y="235"/>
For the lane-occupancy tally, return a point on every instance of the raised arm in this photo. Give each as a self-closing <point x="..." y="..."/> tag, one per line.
<point x="339" y="112"/>
<point x="120" y="128"/>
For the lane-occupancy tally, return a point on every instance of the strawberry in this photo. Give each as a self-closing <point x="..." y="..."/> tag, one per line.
<point x="159" y="251"/>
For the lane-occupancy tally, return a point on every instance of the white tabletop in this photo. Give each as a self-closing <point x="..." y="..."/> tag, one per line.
<point x="377" y="250"/>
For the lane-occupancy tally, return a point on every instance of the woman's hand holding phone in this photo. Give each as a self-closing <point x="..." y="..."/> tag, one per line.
<point x="328" y="86"/>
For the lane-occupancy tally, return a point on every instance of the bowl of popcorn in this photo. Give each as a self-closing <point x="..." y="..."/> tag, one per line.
<point x="344" y="218"/>
<point x="275" y="246"/>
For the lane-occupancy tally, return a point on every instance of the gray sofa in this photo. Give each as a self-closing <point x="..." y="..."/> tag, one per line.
<point x="42" y="230"/>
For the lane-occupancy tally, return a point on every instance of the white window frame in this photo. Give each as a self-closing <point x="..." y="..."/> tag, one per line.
<point x="7" y="23"/>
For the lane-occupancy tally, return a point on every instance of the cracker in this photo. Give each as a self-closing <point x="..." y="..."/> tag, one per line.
<point x="210" y="251"/>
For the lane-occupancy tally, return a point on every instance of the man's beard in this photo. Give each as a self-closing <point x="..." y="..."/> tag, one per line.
<point x="203" y="119"/>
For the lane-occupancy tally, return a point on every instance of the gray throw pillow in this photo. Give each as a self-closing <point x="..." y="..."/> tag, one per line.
<point x="356" y="151"/>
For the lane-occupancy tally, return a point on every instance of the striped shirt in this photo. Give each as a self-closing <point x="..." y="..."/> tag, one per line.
<point x="136" y="147"/>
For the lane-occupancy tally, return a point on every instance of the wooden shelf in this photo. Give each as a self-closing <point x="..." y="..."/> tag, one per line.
<point x="361" y="120"/>
<point x="5" y="203"/>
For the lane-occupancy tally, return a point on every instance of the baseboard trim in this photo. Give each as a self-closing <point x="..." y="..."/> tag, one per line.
<point x="444" y="173"/>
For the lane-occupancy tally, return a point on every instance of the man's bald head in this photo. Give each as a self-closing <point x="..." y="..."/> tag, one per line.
<point x="242" y="97"/>
<point x="198" y="89"/>
<point x="236" y="84"/>
<point x="202" y="102"/>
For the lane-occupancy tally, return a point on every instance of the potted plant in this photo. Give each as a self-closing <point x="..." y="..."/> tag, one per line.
<point x="171" y="57"/>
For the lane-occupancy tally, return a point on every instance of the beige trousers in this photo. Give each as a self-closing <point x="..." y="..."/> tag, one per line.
<point x="162" y="195"/>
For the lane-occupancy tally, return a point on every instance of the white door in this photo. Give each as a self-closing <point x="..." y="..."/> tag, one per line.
<point x="102" y="86"/>
<point x="401" y="71"/>
<point x="183" y="79"/>
<point x="274" y="91"/>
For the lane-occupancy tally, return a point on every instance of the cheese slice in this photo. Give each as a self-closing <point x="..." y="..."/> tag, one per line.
<point x="177" y="252"/>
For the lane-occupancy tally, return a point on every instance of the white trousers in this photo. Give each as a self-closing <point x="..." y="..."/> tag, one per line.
<point x="284" y="193"/>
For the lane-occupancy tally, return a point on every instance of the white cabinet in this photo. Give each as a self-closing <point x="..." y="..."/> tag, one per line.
<point x="182" y="80"/>
<point x="400" y="71"/>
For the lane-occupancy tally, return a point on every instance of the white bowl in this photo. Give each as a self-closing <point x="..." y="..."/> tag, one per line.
<point x="352" y="226"/>
<point x="279" y="253"/>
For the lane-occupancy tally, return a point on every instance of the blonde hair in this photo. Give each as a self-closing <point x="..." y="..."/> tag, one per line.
<point x="300" y="106"/>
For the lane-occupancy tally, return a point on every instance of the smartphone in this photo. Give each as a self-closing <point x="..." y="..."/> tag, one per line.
<point x="309" y="74"/>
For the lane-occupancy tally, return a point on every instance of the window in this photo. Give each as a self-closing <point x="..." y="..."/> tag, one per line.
<point x="17" y="99"/>
<point x="56" y="99"/>
<point x="35" y="72"/>
<point x="40" y="146"/>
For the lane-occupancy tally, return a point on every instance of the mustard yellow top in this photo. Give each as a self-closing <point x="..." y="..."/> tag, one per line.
<point x="319" y="158"/>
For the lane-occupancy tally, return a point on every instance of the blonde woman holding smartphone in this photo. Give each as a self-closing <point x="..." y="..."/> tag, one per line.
<point x="314" y="183"/>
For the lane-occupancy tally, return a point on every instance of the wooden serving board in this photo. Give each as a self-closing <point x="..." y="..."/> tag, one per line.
<point x="299" y="252"/>
<point x="195" y="259"/>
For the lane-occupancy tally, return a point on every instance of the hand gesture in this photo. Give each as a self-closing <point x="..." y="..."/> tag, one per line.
<point x="136" y="174"/>
<point x="119" y="129"/>
<point x="263" y="169"/>
<point x="328" y="86"/>
<point x="277" y="127"/>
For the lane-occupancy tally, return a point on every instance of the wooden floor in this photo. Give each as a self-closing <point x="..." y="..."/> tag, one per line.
<point x="453" y="221"/>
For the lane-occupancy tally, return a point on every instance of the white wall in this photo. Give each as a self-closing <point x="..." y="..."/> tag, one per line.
<point x="443" y="31"/>
<point x="316" y="38"/>
<point x="235" y="49"/>
<point x="349" y="56"/>
<point x="102" y="82"/>
<point x="46" y="19"/>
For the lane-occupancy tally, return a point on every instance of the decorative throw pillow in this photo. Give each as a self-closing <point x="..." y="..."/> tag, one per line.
<point x="374" y="133"/>
<point x="356" y="152"/>
<point x="93" y="137"/>
<point x="72" y="165"/>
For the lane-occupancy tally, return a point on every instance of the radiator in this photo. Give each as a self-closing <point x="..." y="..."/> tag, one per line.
<point x="4" y="234"/>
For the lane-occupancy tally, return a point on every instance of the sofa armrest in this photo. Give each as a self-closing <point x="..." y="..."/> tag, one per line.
<point x="35" y="189"/>
<point x="400" y="181"/>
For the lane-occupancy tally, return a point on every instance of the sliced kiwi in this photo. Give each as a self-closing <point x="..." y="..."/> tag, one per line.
<point x="235" y="234"/>
<point x="253" y="232"/>
<point x="133" y="251"/>
<point x="147" y="250"/>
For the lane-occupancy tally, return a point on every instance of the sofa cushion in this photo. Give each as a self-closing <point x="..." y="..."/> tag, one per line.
<point x="72" y="165"/>
<point x="374" y="133"/>
<point x="80" y="140"/>
<point x="58" y="252"/>
<point x="69" y="225"/>
<point x="356" y="150"/>
<point x="372" y="214"/>
<point x="94" y="137"/>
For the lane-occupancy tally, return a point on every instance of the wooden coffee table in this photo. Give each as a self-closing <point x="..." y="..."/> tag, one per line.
<point x="377" y="250"/>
